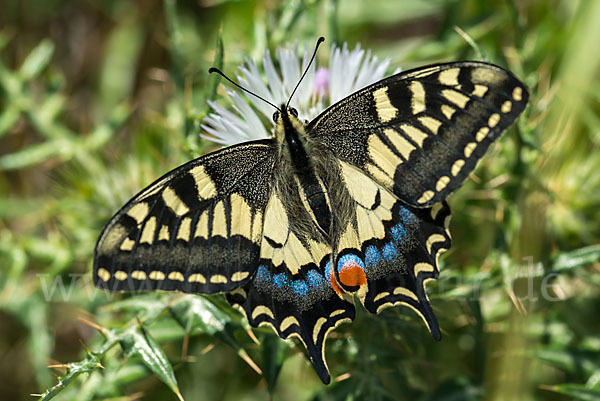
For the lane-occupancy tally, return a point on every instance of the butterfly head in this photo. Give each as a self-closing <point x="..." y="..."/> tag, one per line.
<point x="286" y="121"/>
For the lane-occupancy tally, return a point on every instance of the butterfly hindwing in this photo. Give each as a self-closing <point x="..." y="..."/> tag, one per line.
<point x="401" y="265"/>
<point x="197" y="229"/>
<point x="303" y="306"/>
<point x="389" y="250"/>
<point x="421" y="132"/>
<point x="291" y="290"/>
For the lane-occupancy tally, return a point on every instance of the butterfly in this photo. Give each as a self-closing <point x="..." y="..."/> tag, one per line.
<point x="349" y="205"/>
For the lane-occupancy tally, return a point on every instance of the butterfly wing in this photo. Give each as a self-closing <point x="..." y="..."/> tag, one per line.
<point x="197" y="229"/>
<point x="421" y="132"/>
<point x="291" y="290"/>
<point x="387" y="251"/>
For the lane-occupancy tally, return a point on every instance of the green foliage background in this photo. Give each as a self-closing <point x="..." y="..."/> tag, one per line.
<point x="98" y="98"/>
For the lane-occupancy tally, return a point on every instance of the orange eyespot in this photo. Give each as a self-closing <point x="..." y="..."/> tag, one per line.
<point x="352" y="275"/>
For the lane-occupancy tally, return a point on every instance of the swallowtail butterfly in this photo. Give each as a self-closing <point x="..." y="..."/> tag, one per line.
<point x="352" y="203"/>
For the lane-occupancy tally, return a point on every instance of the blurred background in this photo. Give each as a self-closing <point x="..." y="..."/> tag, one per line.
<point x="98" y="98"/>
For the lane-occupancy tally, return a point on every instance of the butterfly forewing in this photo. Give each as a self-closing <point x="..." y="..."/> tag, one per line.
<point x="421" y="132"/>
<point x="197" y="229"/>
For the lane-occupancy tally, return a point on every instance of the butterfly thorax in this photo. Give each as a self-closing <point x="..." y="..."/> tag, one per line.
<point x="291" y="134"/>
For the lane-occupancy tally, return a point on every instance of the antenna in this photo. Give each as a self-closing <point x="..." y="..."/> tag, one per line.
<point x="221" y="73"/>
<point x="319" y="41"/>
<point x="213" y="69"/>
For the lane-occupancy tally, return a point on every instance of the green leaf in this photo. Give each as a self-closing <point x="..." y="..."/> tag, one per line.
<point x="37" y="60"/>
<point x="576" y="391"/>
<point x="569" y="361"/>
<point x="174" y="31"/>
<point x="577" y="258"/>
<point x="137" y="342"/>
<point x="457" y="389"/>
<point x="146" y="307"/>
<point x="117" y="77"/>
<point x="4" y="39"/>
<point x="593" y="381"/>
<point x="48" y="111"/>
<point x="197" y="313"/>
<point x="36" y="153"/>
<point x="274" y="352"/>
<point x="214" y="79"/>
<point x="8" y="118"/>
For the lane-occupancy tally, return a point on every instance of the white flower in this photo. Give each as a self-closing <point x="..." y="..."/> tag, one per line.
<point x="348" y="71"/>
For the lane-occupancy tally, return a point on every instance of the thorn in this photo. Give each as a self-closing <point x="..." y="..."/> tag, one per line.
<point x="185" y="345"/>
<point x="87" y="350"/>
<point x="546" y="387"/>
<point x="36" y="395"/>
<point x="469" y="40"/>
<point x="252" y="336"/>
<point x="207" y="349"/>
<point x="342" y="377"/>
<point x="179" y="396"/>
<point x="93" y="325"/>
<point x="59" y="365"/>
<point x="517" y="303"/>
<point x="476" y="179"/>
<point x="244" y="355"/>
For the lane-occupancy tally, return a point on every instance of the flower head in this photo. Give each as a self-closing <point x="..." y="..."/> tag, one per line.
<point x="348" y="71"/>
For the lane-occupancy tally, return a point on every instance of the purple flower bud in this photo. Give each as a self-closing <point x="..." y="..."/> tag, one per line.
<point x="321" y="83"/>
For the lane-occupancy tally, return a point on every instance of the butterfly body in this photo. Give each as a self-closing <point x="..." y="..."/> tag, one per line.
<point x="349" y="205"/>
<point x="297" y="165"/>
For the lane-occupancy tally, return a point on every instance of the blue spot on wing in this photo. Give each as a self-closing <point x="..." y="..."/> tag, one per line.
<point x="283" y="287"/>
<point x="316" y="280"/>
<point x="406" y="215"/>
<point x="300" y="287"/>
<point x="263" y="275"/>
<point x="328" y="271"/>
<point x="281" y="281"/>
<point x="398" y="232"/>
<point x="372" y="256"/>
<point x="390" y="252"/>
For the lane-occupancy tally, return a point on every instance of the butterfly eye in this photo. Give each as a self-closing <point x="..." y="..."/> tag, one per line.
<point x="275" y="116"/>
<point x="294" y="112"/>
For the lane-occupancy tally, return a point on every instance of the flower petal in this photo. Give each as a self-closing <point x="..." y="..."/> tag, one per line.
<point x="348" y="72"/>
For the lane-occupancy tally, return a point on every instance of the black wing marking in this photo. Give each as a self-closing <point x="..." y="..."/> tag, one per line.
<point x="196" y="229"/>
<point x="421" y="132"/>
